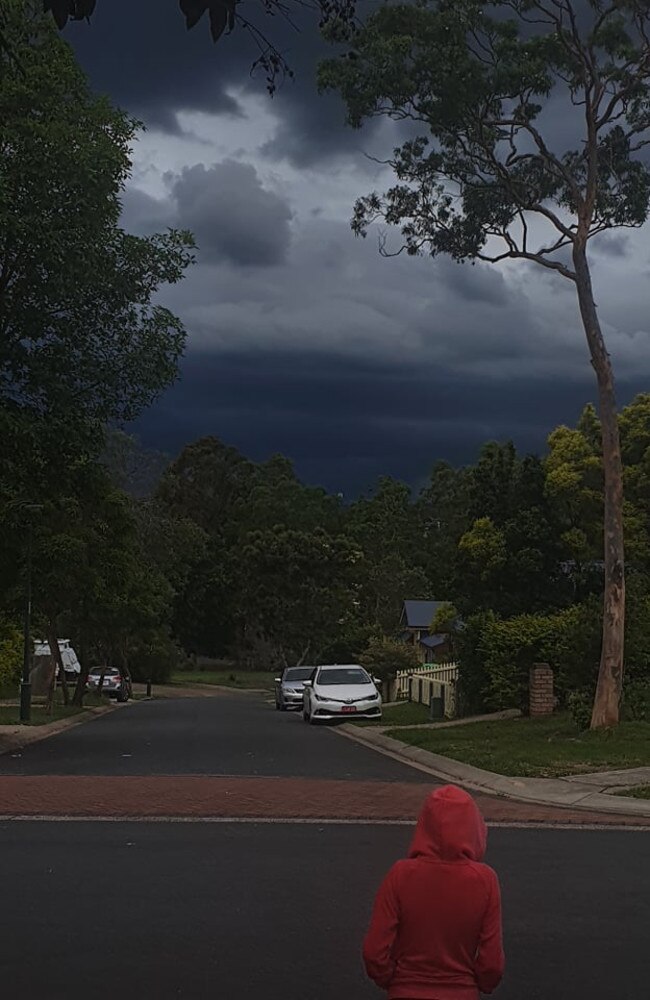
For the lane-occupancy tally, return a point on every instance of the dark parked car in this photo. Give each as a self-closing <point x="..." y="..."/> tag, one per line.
<point x="117" y="683"/>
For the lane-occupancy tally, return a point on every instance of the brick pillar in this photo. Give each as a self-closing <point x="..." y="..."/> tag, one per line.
<point x="542" y="698"/>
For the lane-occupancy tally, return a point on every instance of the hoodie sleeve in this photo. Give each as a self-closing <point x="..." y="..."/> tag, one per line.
<point x="490" y="960"/>
<point x="379" y="941"/>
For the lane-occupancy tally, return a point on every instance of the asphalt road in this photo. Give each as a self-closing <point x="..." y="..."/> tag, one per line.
<point x="243" y="911"/>
<point x="240" y="735"/>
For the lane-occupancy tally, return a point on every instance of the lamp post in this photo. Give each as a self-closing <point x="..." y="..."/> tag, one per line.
<point x="26" y="684"/>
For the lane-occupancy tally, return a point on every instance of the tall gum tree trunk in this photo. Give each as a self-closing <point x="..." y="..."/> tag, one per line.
<point x="610" y="675"/>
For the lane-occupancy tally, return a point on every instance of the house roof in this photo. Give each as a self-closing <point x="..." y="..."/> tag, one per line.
<point x="419" y="614"/>
<point x="433" y="641"/>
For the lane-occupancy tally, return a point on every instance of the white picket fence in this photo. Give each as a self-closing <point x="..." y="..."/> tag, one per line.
<point x="431" y="681"/>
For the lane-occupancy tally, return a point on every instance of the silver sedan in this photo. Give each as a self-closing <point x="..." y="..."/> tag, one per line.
<point x="290" y="686"/>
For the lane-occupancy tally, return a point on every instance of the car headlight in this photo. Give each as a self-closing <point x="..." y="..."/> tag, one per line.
<point x="319" y="697"/>
<point x="371" y="697"/>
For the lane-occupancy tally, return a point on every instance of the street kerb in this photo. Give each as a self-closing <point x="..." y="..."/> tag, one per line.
<point x="552" y="792"/>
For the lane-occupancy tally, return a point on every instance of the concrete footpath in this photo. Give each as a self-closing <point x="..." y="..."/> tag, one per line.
<point x="592" y="792"/>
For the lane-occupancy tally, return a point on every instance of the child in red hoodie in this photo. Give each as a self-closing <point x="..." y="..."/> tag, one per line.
<point x="435" y="932"/>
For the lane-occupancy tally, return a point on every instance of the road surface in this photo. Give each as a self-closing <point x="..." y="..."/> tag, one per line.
<point x="248" y="910"/>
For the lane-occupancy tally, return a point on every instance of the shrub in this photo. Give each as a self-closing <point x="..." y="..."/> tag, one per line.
<point x="471" y="694"/>
<point x="637" y="630"/>
<point x="384" y="657"/>
<point x="580" y="704"/>
<point x="155" y="659"/>
<point x="11" y="653"/>
<point x="569" y="640"/>
<point x="636" y="701"/>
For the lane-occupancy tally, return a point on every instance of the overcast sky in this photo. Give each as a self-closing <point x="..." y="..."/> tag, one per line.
<point x="302" y="339"/>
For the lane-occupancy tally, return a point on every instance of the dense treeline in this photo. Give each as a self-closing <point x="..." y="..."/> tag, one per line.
<point x="221" y="557"/>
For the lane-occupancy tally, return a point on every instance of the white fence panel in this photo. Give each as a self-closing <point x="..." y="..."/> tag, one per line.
<point x="445" y="673"/>
<point x="429" y="682"/>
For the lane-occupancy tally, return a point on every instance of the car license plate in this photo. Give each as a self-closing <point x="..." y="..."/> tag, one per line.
<point x="349" y="708"/>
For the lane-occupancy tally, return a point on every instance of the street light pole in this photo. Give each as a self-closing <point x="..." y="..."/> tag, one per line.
<point x="26" y="684"/>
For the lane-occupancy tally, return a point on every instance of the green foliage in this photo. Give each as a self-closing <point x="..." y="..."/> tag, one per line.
<point x="568" y="640"/>
<point x="445" y="619"/>
<point x="11" y="654"/>
<point x="476" y="81"/>
<point x="83" y="340"/>
<point x="636" y="700"/>
<point x="485" y="548"/>
<point x="472" y="679"/>
<point x="294" y="590"/>
<point x="155" y="658"/>
<point x="580" y="704"/>
<point x="384" y="657"/>
<point x="384" y="528"/>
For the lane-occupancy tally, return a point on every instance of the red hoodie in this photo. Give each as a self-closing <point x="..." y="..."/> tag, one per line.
<point x="435" y="932"/>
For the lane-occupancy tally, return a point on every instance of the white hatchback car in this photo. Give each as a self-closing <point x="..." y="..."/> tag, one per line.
<point x="335" y="692"/>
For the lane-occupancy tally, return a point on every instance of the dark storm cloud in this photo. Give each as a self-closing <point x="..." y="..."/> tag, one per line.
<point x="233" y="217"/>
<point x="142" y="56"/>
<point x="611" y="244"/>
<point x="475" y="283"/>
<point x="142" y="214"/>
<point x="346" y="422"/>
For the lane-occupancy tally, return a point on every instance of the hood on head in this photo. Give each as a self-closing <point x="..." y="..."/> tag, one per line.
<point x="450" y="827"/>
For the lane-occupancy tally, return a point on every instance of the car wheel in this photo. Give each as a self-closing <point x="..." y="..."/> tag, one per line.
<point x="122" y="697"/>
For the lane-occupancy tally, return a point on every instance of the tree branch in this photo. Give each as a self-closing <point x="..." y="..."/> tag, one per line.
<point x="552" y="265"/>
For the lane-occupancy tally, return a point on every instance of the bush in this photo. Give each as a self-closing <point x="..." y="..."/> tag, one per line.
<point x="636" y="701"/>
<point x="11" y="654"/>
<point x="496" y="655"/>
<point x="580" y="704"/>
<point x="637" y="630"/>
<point x="384" y="657"/>
<point x="471" y="692"/>
<point x="568" y="640"/>
<point x="155" y="659"/>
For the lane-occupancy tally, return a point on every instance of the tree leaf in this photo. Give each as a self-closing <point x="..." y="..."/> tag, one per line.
<point x="84" y="9"/>
<point x="219" y="18"/>
<point x="61" y="10"/>
<point x="193" y="11"/>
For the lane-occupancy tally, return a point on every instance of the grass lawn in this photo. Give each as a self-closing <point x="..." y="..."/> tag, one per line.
<point x="640" y="792"/>
<point x="242" y="679"/>
<point x="407" y="714"/>
<point x="544" y="748"/>
<point x="10" y="714"/>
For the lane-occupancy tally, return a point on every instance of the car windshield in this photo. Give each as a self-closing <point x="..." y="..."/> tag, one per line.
<point x="344" y="675"/>
<point x="106" y="671"/>
<point x="298" y="673"/>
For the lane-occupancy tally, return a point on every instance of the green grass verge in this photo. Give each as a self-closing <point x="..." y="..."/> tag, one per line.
<point x="544" y="748"/>
<point x="10" y="714"/>
<point x="408" y="714"/>
<point x="640" y="792"/>
<point x="241" y="679"/>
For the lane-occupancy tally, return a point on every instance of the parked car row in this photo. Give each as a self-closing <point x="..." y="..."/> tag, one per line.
<point x="329" y="692"/>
